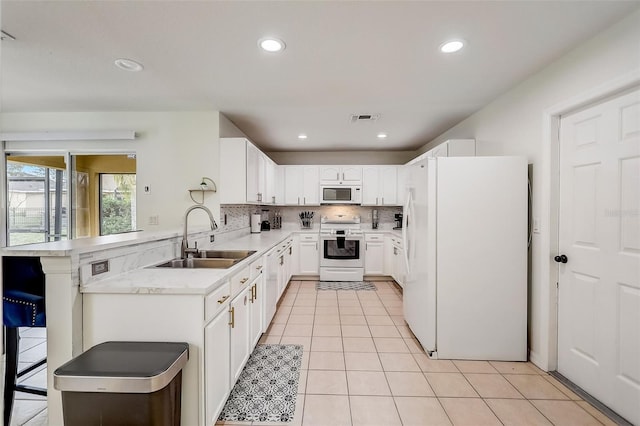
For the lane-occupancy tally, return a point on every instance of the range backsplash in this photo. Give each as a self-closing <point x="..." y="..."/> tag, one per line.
<point x="238" y="216"/>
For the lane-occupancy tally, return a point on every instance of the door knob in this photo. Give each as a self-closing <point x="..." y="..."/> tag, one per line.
<point x="561" y="258"/>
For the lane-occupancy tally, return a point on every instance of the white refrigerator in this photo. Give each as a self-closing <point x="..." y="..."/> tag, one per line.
<point x="465" y="239"/>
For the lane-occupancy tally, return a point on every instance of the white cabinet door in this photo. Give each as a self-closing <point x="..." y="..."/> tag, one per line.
<point x="401" y="187"/>
<point x="271" y="288"/>
<point x="293" y="185"/>
<point x="233" y="172"/>
<point x="269" y="196"/>
<point x="279" y="186"/>
<point x="311" y="186"/>
<point x="389" y="258"/>
<point x="216" y="365"/>
<point x="329" y="174"/>
<point x="351" y="174"/>
<point x="388" y="185"/>
<point x="374" y="257"/>
<point x="370" y="185"/>
<point x="308" y="255"/>
<point x="254" y="168"/>
<point x="256" y="295"/>
<point x="341" y="175"/>
<point x="240" y="315"/>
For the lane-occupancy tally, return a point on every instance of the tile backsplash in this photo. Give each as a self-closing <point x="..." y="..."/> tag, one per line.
<point x="238" y="216"/>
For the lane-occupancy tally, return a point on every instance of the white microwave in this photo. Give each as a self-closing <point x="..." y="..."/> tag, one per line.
<point x="332" y="194"/>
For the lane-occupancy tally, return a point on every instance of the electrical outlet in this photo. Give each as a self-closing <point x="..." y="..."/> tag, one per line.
<point x="154" y="220"/>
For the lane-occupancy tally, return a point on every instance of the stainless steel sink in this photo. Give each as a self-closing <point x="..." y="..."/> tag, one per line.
<point x="217" y="259"/>
<point x="198" y="263"/>
<point x="225" y="254"/>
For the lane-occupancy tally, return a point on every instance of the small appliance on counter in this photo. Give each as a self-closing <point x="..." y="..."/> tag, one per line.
<point x="266" y="225"/>
<point x="256" y="221"/>
<point x="374" y="219"/>
<point x="398" y="217"/>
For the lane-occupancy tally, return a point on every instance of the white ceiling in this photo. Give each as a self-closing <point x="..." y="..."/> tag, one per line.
<point x="342" y="57"/>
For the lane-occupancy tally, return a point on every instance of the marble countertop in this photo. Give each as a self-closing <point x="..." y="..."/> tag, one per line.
<point x="88" y="245"/>
<point x="151" y="280"/>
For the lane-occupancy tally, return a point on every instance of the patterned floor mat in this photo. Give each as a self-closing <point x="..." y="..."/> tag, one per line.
<point x="267" y="387"/>
<point x="345" y="285"/>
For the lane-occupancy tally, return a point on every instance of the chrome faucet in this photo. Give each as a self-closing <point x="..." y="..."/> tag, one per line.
<point x="185" y="250"/>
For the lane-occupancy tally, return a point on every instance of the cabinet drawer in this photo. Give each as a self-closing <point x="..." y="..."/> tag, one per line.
<point x="216" y="301"/>
<point x="240" y="280"/>
<point x="373" y="237"/>
<point x="256" y="268"/>
<point x="396" y="241"/>
<point x="309" y="237"/>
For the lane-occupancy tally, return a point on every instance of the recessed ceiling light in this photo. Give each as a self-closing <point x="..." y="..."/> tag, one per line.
<point x="271" y="44"/>
<point x="451" y="46"/>
<point x="382" y="135"/>
<point x="128" y="65"/>
<point x="302" y="136"/>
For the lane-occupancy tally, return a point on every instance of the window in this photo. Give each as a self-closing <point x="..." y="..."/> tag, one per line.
<point x="117" y="203"/>
<point x="36" y="199"/>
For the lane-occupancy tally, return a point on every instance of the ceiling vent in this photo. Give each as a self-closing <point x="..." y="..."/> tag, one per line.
<point x="361" y="118"/>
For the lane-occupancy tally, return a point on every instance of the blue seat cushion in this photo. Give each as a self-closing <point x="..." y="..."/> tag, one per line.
<point x="20" y="309"/>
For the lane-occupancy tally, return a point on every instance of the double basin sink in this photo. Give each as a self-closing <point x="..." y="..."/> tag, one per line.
<point x="216" y="259"/>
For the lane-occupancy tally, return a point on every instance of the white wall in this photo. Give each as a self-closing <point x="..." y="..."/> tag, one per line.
<point x="174" y="151"/>
<point x="513" y="124"/>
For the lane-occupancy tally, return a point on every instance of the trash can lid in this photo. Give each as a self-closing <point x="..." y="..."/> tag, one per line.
<point x="123" y="367"/>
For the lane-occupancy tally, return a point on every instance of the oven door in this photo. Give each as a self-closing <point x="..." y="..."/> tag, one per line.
<point x="339" y="251"/>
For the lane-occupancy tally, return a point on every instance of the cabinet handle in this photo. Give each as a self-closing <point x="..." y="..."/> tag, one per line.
<point x="342" y="175"/>
<point x="244" y="280"/>
<point x="281" y="260"/>
<point x="304" y="200"/>
<point x="232" y="311"/>
<point x="255" y="292"/>
<point x="337" y="175"/>
<point x="259" y="267"/>
<point x="259" y="196"/>
<point x="376" y="201"/>
<point x="366" y="246"/>
<point x="221" y="301"/>
<point x="289" y="250"/>
<point x="316" y="246"/>
<point x="382" y="201"/>
<point x="298" y="200"/>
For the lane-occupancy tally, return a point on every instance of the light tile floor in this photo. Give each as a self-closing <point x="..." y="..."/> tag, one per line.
<point x="31" y="410"/>
<point x="361" y="366"/>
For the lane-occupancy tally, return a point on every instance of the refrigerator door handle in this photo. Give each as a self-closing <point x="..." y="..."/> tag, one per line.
<point x="405" y="234"/>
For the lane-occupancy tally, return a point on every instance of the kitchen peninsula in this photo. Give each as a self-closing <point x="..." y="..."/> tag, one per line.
<point x="88" y="303"/>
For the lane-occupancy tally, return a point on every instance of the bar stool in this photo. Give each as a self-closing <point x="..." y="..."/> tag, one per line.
<point x="22" y="306"/>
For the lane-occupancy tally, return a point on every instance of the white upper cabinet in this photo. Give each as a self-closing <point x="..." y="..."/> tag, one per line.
<point x="247" y="175"/>
<point x="301" y="186"/>
<point x="340" y="175"/>
<point x="379" y="186"/>
<point x="454" y="148"/>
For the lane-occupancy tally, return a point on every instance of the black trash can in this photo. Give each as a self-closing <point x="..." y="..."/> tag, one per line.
<point x="123" y="383"/>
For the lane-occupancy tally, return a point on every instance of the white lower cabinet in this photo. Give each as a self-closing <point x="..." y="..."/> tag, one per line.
<point x="256" y="294"/>
<point x="217" y="368"/>
<point x="374" y="254"/>
<point x="394" y="263"/>
<point x="308" y="254"/>
<point x="240" y="320"/>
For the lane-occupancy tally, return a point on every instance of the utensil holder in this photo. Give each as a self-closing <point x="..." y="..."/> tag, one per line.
<point x="306" y="223"/>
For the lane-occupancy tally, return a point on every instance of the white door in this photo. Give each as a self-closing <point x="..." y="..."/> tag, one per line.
<point x="599" y="285"/>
